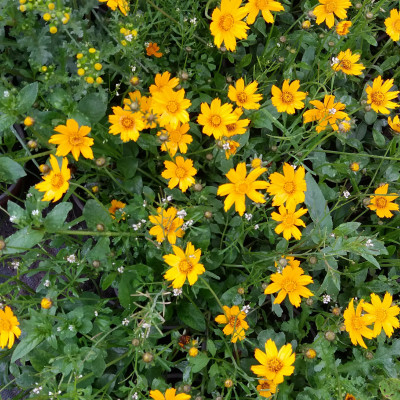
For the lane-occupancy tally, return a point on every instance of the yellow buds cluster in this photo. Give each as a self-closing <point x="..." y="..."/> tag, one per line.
<point x="129" y="34"/>
<point x="88" y="66"/>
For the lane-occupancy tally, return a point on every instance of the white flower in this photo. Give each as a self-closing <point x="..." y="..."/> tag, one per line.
<point x="135" y="396"/>
<point x="143" y="221"/>
<point x="46" y="283"/>
<point x="226" y="146"/>
<point x="332" y="111"/>
<point x="129" y="37"/>
<point x="35" y="212"/>
<point x="29" y="195"/>
<point x="332" y="235"/>
<point x="133" y="69"/>
<point x="246" y="309"/>
<point x="165" y="200"/>
<point x="294" y="166"/>
<point x="210" y="44"/>
<point x="13" y="218"/>
<point x="334" y="61"/>
<point x="59" y="329"/>
<point x="121" y="269"/>
<point x="369" y="243"/>
<point x="6" y="93"/>
<point x="37" y="390"/>
<point x="15" y="264"/>
<point x="326" y="298"/>
<point x="71" y="328"/>
<point x="346" y="194"/>
<point x="71" y="258"/>
<point x="187" y="224"/>
<point x="125" y="322"/>
<point x="96" y="314"/>
<point x="193" y="20"/>
<point x="256" y="226"/>
<point x="144" y="203"/>
<point x="146" y="325"/>
<point x="248" y="216"/>
<point x="177" y="292"/>
<point x="136" y="226"/>
<point x="181" y="214"/>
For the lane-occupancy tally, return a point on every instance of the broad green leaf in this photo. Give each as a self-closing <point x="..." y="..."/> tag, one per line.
<point x="347" y="228"/>
<point x="94" y="213"/>
<point x="6" y="121"/>
<point x="93" y="106"/>
<point x="55" y="219"/>
<point x="10" y="171"/>
<point x="26" y="97"/>
<point x="390" y="388"/>
<point x="199" y="362"/>
<point x="23" y="240"/>
<point x="190" y="315"/>
<point x="25" y="346"/>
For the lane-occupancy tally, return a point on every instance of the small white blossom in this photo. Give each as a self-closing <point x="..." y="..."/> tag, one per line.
<point x="133" y="69"/>
<point x="246" y="309"/>
<point x="256" y="227"/>
<point x="166" y="199"/>
<point x="136" y="226"/>
<point x="187" y="224"/>
<point x="326" y="298"/>
<point x="6" y="93"/>
<point x="46" y="283"/>
<point x="15" y="264"/>
<point x="334" y="61"/>
<point x="146" y="325"/>
<point x="193" y="20"/>
<point x="125" y="322"/>
<point x="29" y="195"/>
<point x="369" y="243"/>
<point x="332" y="111"/>
<point x="71" y="258"/>
<point x="177" y="292"/>
<point x="226" y="146"/>
<point x="181" y="214"/>
<point x="209" y="44"/>
<point x="135" y="396"/>
<point x="13" y="218"/>
<point x="332" y="235"/>
<point x="294" y="166"/>
<point x="248" y="216"/>
<point x="120" y="269"/>
<point x="71" y="328"/>
<point x="59" y="329"/>
<point x="35" y="212"/>
<point x="37" y="389"/>
<point x="96" y="314"/>
<point x="143" y="221"/>
<point x="346" y="194"/>
<point x="129" y="37"/>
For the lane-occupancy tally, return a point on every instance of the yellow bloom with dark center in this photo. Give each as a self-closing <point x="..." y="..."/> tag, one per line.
<point x="394" y="123"/>
<point x="8" y="328"/>
<point x="383" y="313"/>
<point x="349" y="397"/>
<point x="55" y="183"/>
<point x="382" y="203"/>
<point x="357" y="324"/>
<point x="326" y="113"/>
<point x="245" y="96"/>
<point x="242" y="185"/>
<point x="290" y="282"/>
<point x="379" y="95"/>
<point x="289" y="220"/>
<point x="167" y="226"/>
<point x="179" y="172"/>
<point x="177" y="139"/>
<point x="393" y="25"/>
<point x="239" y="127"/>
<point x="227" y="24"/>
<point x="216" y="117"/>
<point x="266" y="388"/>
<point x="327" y="10"/>
<point x="274" y="365"/>
<point x="288" y="99"/>
<point x="348" y="63"/>
<point x="126" y="123"/>
<point x="121" y="4"/>
<point x="170" y="394"/>
<point x="288" y="188"/>
<point x="73" y="139"/>
<point x="116" y="205"/>
<point x="163" y="81"/>
<point x="235" y="323"/>
<point x="171" y="106"/>
<point x="342" y="28"/>
<point x="185" y="265"/>
<point x="253" y="7"/>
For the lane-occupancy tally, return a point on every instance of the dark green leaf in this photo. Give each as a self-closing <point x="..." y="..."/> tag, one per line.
<point x="10" y="171"/>
<point x="190" y="315"/>
<point x="93" y="106"/>
<point x="55" y="219"/>
<point x="23" y="240"/>
<point x="26" y="97"/>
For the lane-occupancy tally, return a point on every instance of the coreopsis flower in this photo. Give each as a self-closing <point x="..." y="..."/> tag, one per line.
<point x="394" y="123"/>
<point x="179" y="172"/>
<point x="46" y="303"/>
<point x="185" y="264"/>
<point x="216" y="117"/>
<point x="393" y="25"/>
<point x="126" y="123"/>
<point x="287" y="260"/>
<point x="289" y="220"/>
<point x="382" y="202"/>
<point x="383" y="313"/>
<point x="152" y="50"/>
<point x="230" y="147"/>
<point x="116" y="205"/>
<point x="73" y="139"/>
<point x="121" y="4"/>
<point x="290" y="282"/>
<point x="150" y="118"/>
<point x="162" y="81"/>
<point x="167" y="225"/>
<point x="357" y="324"/>
<point x="349" y="397"/>
<point x="8" y="328"/>
<point x="266" y="388"/>
<point x="235" y="323"/>
<point x="342" y="28"/>
<point x="274" y="365"/>
<point x="379" y="95"/>
<point x="134" y="102"/>
<point x="170" y="394"/>
<point x="177" y="139"/>
<point x="288" y="188"/>
<point x="326" y="113"/>
<point x="55" y="183"/>
<point x="288" y="99"/>
<point x="327" y="10"/>
<point x="239" y="127"/>
<point x="347" y="63"/>
<point x="253" y="7"/>
<point x="355" y="166"/>
<point x="245" y="96"/>
<point x="227" y="24"/>
<point x="242" y="186"/>
<point x="171" y="106"/>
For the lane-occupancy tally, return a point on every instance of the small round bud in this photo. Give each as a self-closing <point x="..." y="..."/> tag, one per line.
<point x="44" y="169"/>
<point x="147" y="357"/>
<point x="369" y="15"/>
<point x="311" y="14"/>
<point x="100" y="161"/>
<point x="32" y="144"/>
<point x="369" y="355"/>
<point x="281" y="59"/>
<point x="310" y="354"/>
<point x="219" y="398"/>
<point x="29" y="121"/>
<point x="98" y="66"/>
<point x="366" y="201"/>
<point x="331" y="43"/>
<point x="198" y="187"/>
<point x="321" y="35"/>
<point x="313" y="260"/>
<point x="193" y="351"/>
<point x="53" y="30"/>
<point x="135" y="342"/>
<point x="228" y="383"/>
<point x="240" y="290"/>
<point x="282" y="39"/>
<point x="363" y="102"/>
<point x="178" y="87"/>
<point x="2" y="244"/>
<point x="90" y="80"/>
<point x="46" y="303"/>
<point x="187" y="388"/>
<point x="208" y="214"/>
<point x="229" y="79"/>
<point x="100" y="227"/>
<point x="330" y="336"/>
<point x="336" y="311"/>
<point x="134" y="81"/>
<point x="367" y="108"/>
<point x="355" y="166"/>
<point x="283" y="262"/>
<point x="342" y="327"/>
<point x="209" y="156"/>
<point x="264" y="286"/>
<point x="358" y="6"/>
<point x="380" y="222"/>
<point x="189" y="49"/>
<point x="223" y="49"/>
<point x="184" y="76"/>
<point x="96" y="264"/>
<point x="293" y="51"/>
<point x="306" y="25"/>
<point x="309" y="301"/>
<point x="163" y="137"/>
<point x="80" y="71"/>
<point x="274" y="148"/>
<point x="95" y="189"/>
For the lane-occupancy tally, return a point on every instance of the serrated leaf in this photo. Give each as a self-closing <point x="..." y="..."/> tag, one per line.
<point x="347" y="228"/>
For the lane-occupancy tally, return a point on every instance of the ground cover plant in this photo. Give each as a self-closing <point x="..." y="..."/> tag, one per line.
<point x="209" y="199"/>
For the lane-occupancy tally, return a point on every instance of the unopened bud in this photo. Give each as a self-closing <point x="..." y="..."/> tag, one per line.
<point x="198" y="187"/>
<point x="208" y="214"/>
<point x="336" y="311"/>
<point x="366" y="201"/>
<point x="209" y="156"/>
<point x="44" y="169"/>
<point x="282" y="39"/>
<point x="369" y="15"/>
<point x="184" y="76"/>
<point x="147" y="357"/>
<point x="283" y="262"/>
<point x="313" y="260"/>
<point x="46" y="303"/>
<point x="274" y="148"/>
<point x="223" y="49"/>
<point x="187" y="388"/>
<point x="2" y="244"/>
<point x="330" y="336"/>
<point x="240" y="290"/>
<point x="367" y="108"/>
<point x="358" y="6"/>
<point x="228" y="383"/>
<point x="264" y="286"/>
<point x="310" y="354"/>
<point x="229" y="79"/>
<point x="100" y="227"/>
<point x="135" y="342"/>
<point x="369" y="355"/>
<point x="100" y="161"/>
<point x="96" y="264"/>
<point x="32" y="144"/>
<point x="309" y="301"/>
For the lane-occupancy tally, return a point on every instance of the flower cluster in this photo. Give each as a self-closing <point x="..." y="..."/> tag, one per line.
<point x="88" y="65"/>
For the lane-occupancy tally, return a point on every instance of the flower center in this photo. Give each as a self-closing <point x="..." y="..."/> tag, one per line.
<point x="357" y="323"/>
<point x="226" y="22"/>
<point x="185" y="266"/>
<point x="175" y="136"/>
<point x="241" y="187"/>
<point x="396" y="25"/>
<point x="265" y="385"/>
<point x="172" y="106"/>
<point x="275" y="364"/>
<point x="330" y="6"/>
<point x="242" y="97"/>
<point x="180" y="172"/>
<point x="346" y="64"/>
<point x="289" y="187"/>
<point x="57" y="181"/>
<point x="287" y="97"/>
<point x="381" y="202"/>
<point x="378" y="98"/>
<point x="234" y="321"/>
<point x="231" y="128"/>
<point x="262" y="4"/>
<point x="215" y="121"/>
<point x="75" y="140"/>
<point x="127" y="122"/>
<point x="381" y="315"/>
<point x="5" y="325"/>
<point x="288" y="285"/>
<point x="288" y="221"/>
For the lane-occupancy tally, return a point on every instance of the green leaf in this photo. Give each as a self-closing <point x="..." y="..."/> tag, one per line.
<point x="379" y="139"/>
<point x="55" y="219"/>
<point x="347" y="228"/>
<point x="370" y="117"/>
<point x="246" y="60"/>
<point x="390" y="62"/>
<point x="25" y="346"/>
<point x="211" y="347"/>
<point x="26" y="97"/>
<point x="94" y="213"/>
<point x="23" y="240"/>
<point x="10" y="171"/>
<point x="6" y="121"/>
<point x="390" y="388"/>
<point x="199" y="362"/>
<point x="15" y="210"/>
<point x="128" y="166"/>
<point x="190" y="315"/>
<point x="93" y="106"/>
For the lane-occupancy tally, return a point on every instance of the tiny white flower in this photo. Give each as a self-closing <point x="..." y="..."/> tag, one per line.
<point x="334" y="61"/>
<point x="71" y="258"/>
<point x="143" y="221"/>
<point x="209" y="44"/>
<point x="181" y="214"/>
<point x="135" y="396"/>
<point x="96" y="314"/>
<point x="326" y="298"/>
<point x="59" y="329"/>
<point x="248" y="216"/>
<point x="369" y="243"/>
<point x="193" y="20"/>
<point x="35" y="212"/>
<point x="136" y="226"/>
<point x="146" y="325"/>
<point x="246" y="309"/>
<point x="6" y="93"/>
<point x="187" y="224"/>
<point x="46" y="283"/>
<point x="294" y="166"/>
<point x="15" y="264"/>
<point x="346" y="194"/>
<point x="71" y="328"/>
<point x="177" y="292"/>
<point x="226" y="146"/>
<point x="125" y="322"/>
<point x="256" y="226"/>
<point x="13" y="218"/>
<point x="129" y="37"/>
<point x="332" y="111"/>
<point x="121" y="269"/>
<point x="133" y="69"/>
<point x="332" y="235"/>
<point x="29" y="195"/>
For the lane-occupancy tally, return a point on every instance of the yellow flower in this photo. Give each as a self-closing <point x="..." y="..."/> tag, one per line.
<point x="55" y="183"/>
<point x="8" y="328"/>
<point x="349" y="397"/>
<point x="288" y="99"/>
<point x="116" y="206"/>
<point x="29" y="121"/>
<point x="342" y="28"/>
<point x="171" y="106"/>
<point x="46" y="303"/>
<point x="253" y="7"/>
<point x="288" y="188"/>
<point x="274" y="365"/>
<point x="287" y="260"/>
<point x="193" y="351"/>
<point x="177" y="139"/>
<point x="121" y="4"/>
<point x="395" y="123"/>
<point x="152" y="50"/>
<point x="355" y="166"/>
<point x="134" y="103"/>
<point x="184" y="265"/>
<point x="227" y="24"/>
<point x="216" y="117"/>
<point x="230" y="148"/>
<point x="126" y="123"/>
<point x="239" y="127"/>
<point x="348" y="63"/>
<point x="379" y="96"/>
<point x="289" y="220"/>
<point x="326" y="112"/>
<point x="266" y="388"/>
<point x="383" y="204"/>
<point x="179" y="172"/>
<point x="235" y="323"/>
<point x="245" y="96"/>
<point x="73" y="139"/>
<point x="383" y="313"/>
<point x="169" y="395"/>
<point x="166" y="225"/>
<point x="356" y="324"/>
<point x="328" y="8"/>
<point x="292" y="282"/>
<point x="393" y="25"/>
<point x="163" y="81"/>
<point x="241" y="187"/>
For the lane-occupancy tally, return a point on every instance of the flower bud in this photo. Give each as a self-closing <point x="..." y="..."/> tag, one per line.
<point x="330" y="336"/>
<point x="367" y="108"/>
<point x="2" y="244"/>
<point x="147" y="357"/>
<point x="95" y="189"/>
<point x="306" y="25"/>
<point x="336" y="311"/>
<point x="100" y="227"/>
<point x="313" y="260"/>
<point x="309" y="301"/>
<point x="228" y="79"/>
<point x="283" y="262"/>
<point x="369" y="355"/>
<point x="193" y="352"/>
<point x="209" y="156"/>
<point x="46" y="303"/>
<point x="264" y="286"/>
<point x="32" y="144"/>
<point x="342" y="327"/>
<point x="184" y="76"/>
<point x="310" y="354"/>
<point x="208" y="214"/>
<point x="358" y="6"/>
<point x="369" y="15"/>
<point x="228" y="383"/>
<point x="240" y="290"/>
<point x="135" y="342"/>
<point x="96" y="264"/>
<point x="198" y="187"/>
<point x="100" y="161"/>
<point x="44" y="169"/>
<point x="29" y="121"/>
<point x="282" y="39"/>
<point x="187" y="388"/>
<point x="134" y="81"/>
<point x="274" y="148"/>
